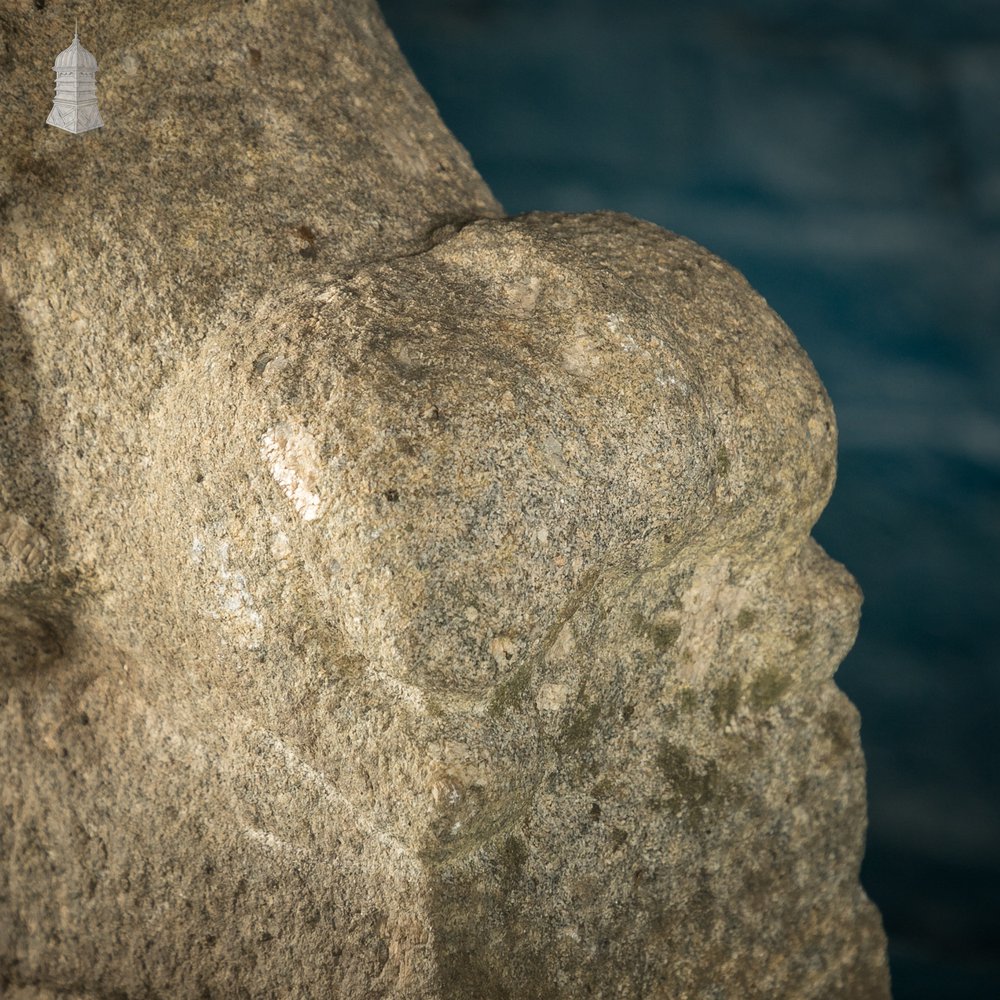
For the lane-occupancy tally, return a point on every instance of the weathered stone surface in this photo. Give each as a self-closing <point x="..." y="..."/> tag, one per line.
<point x="396" y="599"/>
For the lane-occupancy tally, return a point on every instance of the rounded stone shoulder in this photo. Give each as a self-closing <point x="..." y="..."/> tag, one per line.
<point x="594" y="351"/>
<point x="522" y="403"/>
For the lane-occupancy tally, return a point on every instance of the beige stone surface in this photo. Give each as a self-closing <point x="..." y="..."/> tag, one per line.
<point x="396" y="599"/>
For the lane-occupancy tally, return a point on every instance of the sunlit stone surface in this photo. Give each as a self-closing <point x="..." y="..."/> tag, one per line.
<point x="396" y="599"/>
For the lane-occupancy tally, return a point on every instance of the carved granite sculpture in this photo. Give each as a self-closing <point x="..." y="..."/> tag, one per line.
<point x="396" y="599"/>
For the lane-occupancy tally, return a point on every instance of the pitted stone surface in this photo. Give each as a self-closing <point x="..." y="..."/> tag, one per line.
<point x="396" y="599"/>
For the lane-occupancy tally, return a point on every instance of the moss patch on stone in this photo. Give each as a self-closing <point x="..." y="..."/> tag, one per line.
<point x="665" y="636"/>
<point x="688" y="699"/>
<point x="510" y="693"/>
<point x="511" y="857"/>
<point x="768" y="687"/>
<point x="578" y="727"/>
<point x="693" y="784"/>
<point x="726" y="700"/>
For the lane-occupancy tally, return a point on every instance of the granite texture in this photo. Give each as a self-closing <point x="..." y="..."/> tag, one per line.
<point x="396" y="599"/>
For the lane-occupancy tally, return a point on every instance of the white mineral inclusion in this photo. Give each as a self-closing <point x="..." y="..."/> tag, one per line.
<point x="552" y="697"/>
<point x="293" y="457"/>
<point x="709" y="603"/>
<point x="234" y="595"/>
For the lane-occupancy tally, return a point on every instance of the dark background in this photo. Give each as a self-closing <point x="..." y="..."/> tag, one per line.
<point x="846" y="157"/>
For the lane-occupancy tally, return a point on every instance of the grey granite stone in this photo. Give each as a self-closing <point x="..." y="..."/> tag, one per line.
<point x="396" y="599"/>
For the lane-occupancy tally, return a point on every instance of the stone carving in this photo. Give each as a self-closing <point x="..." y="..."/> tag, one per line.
<point x="398" y="599"/>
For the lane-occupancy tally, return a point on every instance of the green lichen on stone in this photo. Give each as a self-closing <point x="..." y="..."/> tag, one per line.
<point x="726" y="700"/>
<point x="578" y="727"/>
<point x="839" y="725"/>
<point x="511" y="857"/>
<point x="688" y="699"/>
<point x="510" y="693"/>
<point x="672" y="759"/>
<point x="664" y="636"/>
<point x="476" y="955"/>
<point x="767" y="688"/>
<point x="693" y="784"/>
<point x="745" y="619"/>
<point x="603" y="789"/>
<point x="463" y="973"/>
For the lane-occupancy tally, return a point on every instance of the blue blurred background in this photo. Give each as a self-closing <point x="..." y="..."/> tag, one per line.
<point x="846" y="157"/>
